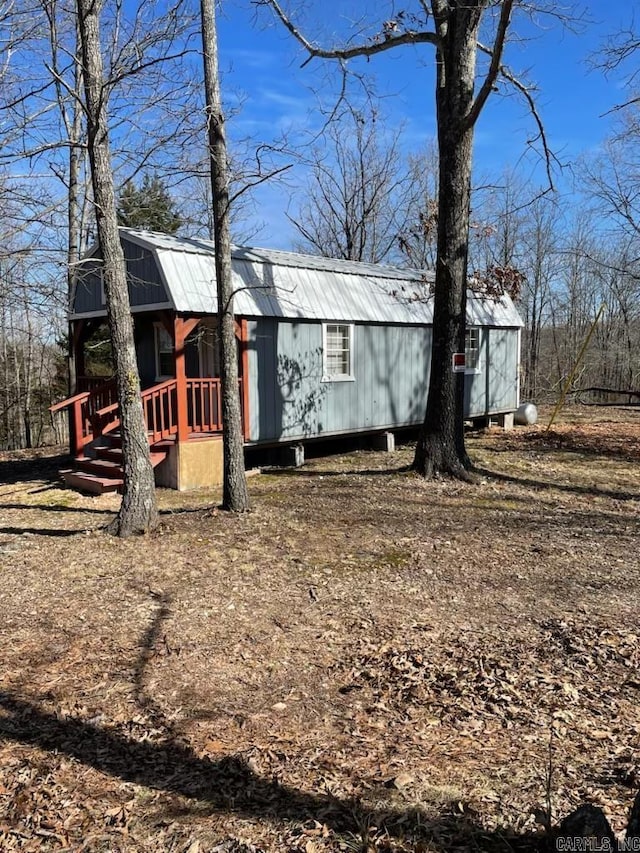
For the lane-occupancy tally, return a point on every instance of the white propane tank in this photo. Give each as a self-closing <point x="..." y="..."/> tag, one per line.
<point x="526" y="415"/>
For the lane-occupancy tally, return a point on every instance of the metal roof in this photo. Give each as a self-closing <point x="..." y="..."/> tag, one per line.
<point x="295" y="286"/>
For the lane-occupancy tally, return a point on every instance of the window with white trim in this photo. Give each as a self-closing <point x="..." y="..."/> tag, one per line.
<point x="337" y="353"/>
<point x="472" y="350"/>
<point x="165" y="363"/>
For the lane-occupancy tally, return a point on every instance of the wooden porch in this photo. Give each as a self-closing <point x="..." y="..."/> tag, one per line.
<point x="176" y="411"/>
<point x="170" y="416"/>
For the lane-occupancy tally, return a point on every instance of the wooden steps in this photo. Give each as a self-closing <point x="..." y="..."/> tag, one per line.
<point x="94" y="484"/>
<point x="103" y="472"/>
<point x="114" y="455"/>
<point x="101" y="467"/>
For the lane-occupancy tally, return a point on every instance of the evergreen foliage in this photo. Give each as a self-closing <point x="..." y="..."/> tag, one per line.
<point x="148" y="206"/>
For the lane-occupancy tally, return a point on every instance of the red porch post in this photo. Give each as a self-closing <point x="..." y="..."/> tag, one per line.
<point x="181" y="330"/>
<point x="76" y="354"/>
<point x="76" y="369"/>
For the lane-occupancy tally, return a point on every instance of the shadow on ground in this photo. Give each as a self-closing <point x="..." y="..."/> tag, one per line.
<point x="619" y="445"/>
<point x="326" y="473"/>
<point x="229" y="785"/>
<point x="575" y="489"/>
<point x="43" y="469"/>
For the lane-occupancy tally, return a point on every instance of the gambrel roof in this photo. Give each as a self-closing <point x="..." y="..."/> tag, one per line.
<point x="303" y="287"/>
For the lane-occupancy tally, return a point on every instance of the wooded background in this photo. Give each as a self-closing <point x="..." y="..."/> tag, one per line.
<point x="356" y="191"/>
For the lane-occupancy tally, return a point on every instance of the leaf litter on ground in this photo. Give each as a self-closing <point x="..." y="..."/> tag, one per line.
<point x="364" y="662"/>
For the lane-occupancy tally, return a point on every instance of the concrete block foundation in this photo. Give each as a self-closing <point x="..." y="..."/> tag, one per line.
<point x="385" y="441"/>
<point x="195" y="464"/>
<point x="292" y="456"/>
<point x="506" y="421"/>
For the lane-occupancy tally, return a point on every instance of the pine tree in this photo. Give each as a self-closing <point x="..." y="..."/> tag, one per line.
<point x="148" y="206"/>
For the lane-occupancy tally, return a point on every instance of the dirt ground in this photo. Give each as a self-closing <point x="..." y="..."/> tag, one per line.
<point x="364" y="662"/>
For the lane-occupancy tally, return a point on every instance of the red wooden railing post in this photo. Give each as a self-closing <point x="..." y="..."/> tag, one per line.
<point x="181" y="379"/>
<point x="78" y="430"/>
<point x="181" y="329"/>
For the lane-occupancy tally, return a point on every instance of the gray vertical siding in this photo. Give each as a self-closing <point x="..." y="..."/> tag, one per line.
<point x="143" y="278"/>
<point x="88" y="293"/>
<point x="286" y="388"/>
<point x="288" y="399"/>
<point x="146" y="350"/>
<point x="494" y="388"/>
<point x="391" y="365"/>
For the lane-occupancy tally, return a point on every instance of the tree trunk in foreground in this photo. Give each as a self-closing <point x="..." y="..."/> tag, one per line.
<point x="74" y="127"/>
<point x="235" y="493"/>
<point x="441" y="448"/>
<point x="456" y="24"/>
<point x="138" y="512"/>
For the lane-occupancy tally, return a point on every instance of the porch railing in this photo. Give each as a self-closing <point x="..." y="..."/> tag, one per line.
<point x="85" y="408"/>
<point x="204" y="405"/>
<point x="160" y="406"/>
<point x="96" y="412"/>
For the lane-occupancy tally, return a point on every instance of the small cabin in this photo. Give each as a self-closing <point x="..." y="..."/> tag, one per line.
<point x="325" y="348"/>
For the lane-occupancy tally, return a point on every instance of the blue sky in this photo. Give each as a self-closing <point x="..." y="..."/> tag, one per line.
<point x="261" y="67"/>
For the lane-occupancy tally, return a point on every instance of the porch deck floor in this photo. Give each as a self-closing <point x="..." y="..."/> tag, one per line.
<point x="193" y="436"/>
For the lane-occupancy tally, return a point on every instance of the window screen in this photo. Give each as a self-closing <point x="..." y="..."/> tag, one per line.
<point x="337" y="350"/>
<point x="472" y="349"/>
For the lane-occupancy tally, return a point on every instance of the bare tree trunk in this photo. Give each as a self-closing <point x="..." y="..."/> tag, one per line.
<point x="74" y="217"/>
<point x="138" y="512"/>
<point x="28" y="359"/>
<point x="16" y="383"/>
<point x="71" y="117"/>
<point x="441" y="448"/>
<point x="235" y="493"/>
<point x="4" y="330"/>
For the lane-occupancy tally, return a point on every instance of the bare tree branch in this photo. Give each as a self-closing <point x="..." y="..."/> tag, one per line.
<point x="494" y="66"/>
<point x="526" y="92"/>
<point x="252" y="181"/>
<point x="388" y="40"/>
